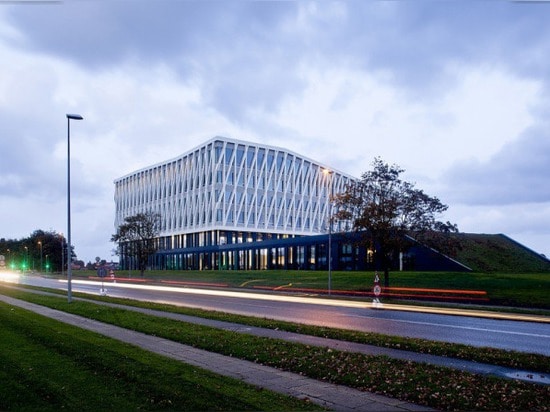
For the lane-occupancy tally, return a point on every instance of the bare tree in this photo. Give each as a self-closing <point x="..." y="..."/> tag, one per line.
<point x="388" y="212"/>
<point x="136" y="237"/>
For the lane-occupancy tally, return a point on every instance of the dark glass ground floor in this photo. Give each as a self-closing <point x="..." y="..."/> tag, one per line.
<point x="297" y="253"/>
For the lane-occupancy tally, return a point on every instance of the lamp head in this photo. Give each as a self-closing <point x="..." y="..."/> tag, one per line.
<point x="74" y="116"/>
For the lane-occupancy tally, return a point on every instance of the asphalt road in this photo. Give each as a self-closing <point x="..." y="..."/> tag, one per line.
<point x="471" y="328"/>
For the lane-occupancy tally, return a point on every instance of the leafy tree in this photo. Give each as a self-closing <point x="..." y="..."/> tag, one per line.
<point x="390" y="212"/>
<point x="53" y="245"/>
<point x="136" y="237"/>
<point x="41" y="250"/>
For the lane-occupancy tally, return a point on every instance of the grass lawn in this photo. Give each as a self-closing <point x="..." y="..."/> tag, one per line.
<point x="441" y="388"/>
<point x="48" y="366"/>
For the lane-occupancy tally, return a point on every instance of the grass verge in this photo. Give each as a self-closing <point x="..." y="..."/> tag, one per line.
<point x="512" y="359"/>
<point x="441" y="388"/>
<point x="47" y="365"/>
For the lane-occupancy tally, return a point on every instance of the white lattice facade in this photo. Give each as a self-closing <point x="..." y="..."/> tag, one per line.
<point x="230" y="204"/>
<point x="230" y="185"/>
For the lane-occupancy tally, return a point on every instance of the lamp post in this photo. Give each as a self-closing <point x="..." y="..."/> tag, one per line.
<point x="26" y="264"/>
<point x="69" y="249"/>
<point x="40" y="244"/>
<point x="329" y="174"/>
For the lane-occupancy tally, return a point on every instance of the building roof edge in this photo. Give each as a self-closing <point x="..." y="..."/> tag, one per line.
<point x="236" y="141"/>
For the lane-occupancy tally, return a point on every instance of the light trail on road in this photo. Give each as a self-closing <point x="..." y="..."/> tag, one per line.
<point x="482" y="328"/>
<point x="326" y="302"/>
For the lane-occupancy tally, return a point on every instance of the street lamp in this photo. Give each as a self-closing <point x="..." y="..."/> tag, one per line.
<point x="69" y="249"/>
<point x="40" y="244"/>
<point x="329" y="174"/>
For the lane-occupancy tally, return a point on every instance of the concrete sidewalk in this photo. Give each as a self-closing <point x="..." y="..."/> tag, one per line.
<point x="463" y="365"/>
<point x="335" y="397"/>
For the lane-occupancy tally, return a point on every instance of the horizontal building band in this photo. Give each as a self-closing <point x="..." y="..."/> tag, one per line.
<point x="291" y="253"/>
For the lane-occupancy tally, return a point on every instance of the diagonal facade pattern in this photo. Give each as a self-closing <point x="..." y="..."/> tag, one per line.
<point x="227" y="184"/>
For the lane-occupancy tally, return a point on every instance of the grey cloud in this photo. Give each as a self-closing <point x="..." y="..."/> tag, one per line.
<point x="415" y="41"/>
<point x="101" y="33"/>
<point x="30" y="167"/>
<point x="517" y="174"/>
<point x="233" y="48"/>
<point x="246" y="53"/>
<point x="26" y="164"/>
<point x="246" y="56"/>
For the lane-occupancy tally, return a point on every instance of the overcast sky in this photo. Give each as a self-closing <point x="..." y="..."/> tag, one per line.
<point x="454" y="92"/>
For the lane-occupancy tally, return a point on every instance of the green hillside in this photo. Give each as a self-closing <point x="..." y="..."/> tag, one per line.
<point x="498" y="253"/>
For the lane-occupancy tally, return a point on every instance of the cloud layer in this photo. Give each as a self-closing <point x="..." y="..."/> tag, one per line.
<point x="454" y="92"/>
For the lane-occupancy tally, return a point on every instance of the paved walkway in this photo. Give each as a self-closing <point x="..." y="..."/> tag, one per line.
<point x="335" y="397"/>
<point x="464" y="365"/>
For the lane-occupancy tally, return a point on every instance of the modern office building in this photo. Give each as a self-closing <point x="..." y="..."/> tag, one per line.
<point x="231" y="204"/>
